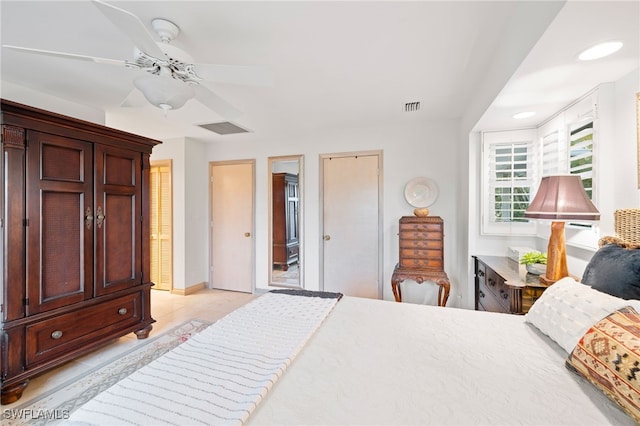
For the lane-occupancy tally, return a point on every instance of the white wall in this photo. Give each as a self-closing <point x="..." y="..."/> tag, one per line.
<point x="196" y="212"/>
<point x="409" y="150"/>
<point x="624" y="178"/>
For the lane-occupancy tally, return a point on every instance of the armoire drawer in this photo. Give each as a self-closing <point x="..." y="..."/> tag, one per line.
<point x="49" y="338"/>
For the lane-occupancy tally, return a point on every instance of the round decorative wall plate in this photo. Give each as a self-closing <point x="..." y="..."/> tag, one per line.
<point x="421" y="192"/>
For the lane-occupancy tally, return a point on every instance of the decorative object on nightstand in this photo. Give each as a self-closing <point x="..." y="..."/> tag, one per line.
<point x="560" y="198"/>
<point x="535" y="262"/>
<point x="424" y="212"/>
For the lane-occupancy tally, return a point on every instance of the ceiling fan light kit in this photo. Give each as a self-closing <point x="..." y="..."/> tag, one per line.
<point x="164" y="92"/>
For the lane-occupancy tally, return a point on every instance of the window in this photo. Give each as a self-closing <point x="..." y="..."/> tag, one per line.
<point x="581" y="153"/>
<point x="509" y="178"/>
<point x="515" y="161"/>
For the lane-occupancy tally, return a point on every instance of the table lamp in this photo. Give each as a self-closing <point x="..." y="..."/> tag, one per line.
<point x="560" y="198"/>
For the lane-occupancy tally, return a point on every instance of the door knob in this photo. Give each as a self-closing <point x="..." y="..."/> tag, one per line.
<point x="247" y="234"/>
<point x="326" y="237"/>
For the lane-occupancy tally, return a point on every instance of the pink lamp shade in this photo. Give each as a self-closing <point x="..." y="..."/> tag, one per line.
<point x="562" y="198"/>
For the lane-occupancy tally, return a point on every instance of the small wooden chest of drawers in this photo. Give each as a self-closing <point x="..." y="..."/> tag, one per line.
<point x="421" y="241"/>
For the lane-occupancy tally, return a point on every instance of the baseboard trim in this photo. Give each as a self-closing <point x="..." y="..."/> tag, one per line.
<point x="189" y="290"/>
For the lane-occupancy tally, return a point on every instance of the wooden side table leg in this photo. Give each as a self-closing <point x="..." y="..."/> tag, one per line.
<point x="443" y="291"/>
<point x="395" y="286"/>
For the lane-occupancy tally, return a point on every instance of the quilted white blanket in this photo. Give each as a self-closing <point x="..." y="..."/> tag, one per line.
<point x="219" y="375"/>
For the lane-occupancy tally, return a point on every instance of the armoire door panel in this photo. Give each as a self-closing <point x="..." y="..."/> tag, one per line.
<point x="65" y="163"/>
<point x="119" y="227"/>
<point x="119" y="231"/>
<point x="60" y="244"/>
<point x="120" y="169"/>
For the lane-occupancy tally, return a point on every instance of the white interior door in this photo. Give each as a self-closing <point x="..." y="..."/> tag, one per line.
<point x="351" y="225"/>
<point x="232" y="253"/>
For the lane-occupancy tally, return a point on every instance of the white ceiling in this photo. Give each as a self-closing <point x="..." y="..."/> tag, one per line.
<point x="336" y="64"/>
<point x="552" y="77"/>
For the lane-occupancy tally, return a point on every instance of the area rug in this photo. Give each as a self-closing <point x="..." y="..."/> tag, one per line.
<point x="58" y="403"/>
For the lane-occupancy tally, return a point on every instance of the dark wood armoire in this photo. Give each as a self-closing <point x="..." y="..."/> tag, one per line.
<point x="285" y="200"/>
<point x="75" y="250"/>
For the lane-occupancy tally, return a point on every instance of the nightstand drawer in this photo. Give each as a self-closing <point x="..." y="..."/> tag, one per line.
<point x="495" y="284"/>
<point x="487" y="300"/>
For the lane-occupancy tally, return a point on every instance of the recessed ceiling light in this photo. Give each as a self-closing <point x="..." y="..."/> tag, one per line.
<point x="526" y="114"/>
<point x="600" y="50"/>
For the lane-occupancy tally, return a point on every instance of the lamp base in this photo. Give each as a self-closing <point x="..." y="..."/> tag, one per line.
<point x="548" y="281"/>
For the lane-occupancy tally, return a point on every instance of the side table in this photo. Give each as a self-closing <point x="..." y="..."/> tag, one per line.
<point x="420" y="276"/>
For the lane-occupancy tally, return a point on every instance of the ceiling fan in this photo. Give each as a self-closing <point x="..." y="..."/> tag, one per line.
<point x="172" y="78"/>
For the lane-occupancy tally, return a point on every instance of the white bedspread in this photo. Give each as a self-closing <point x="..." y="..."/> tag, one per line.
<point x="385" y="363"/>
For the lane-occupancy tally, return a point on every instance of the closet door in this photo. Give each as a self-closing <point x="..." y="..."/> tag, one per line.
<point x="118" y="219"/>
<point x="59" y="227"/>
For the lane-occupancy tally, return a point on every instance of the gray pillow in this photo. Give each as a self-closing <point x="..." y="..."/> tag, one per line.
<point x="615" y="270"/>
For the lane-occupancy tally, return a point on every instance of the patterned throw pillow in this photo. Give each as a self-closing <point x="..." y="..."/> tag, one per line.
<point x="608" y="356"/>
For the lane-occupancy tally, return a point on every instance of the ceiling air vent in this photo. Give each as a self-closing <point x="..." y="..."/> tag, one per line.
<point x="411" y="106"/>
<point x="223" y="128"/>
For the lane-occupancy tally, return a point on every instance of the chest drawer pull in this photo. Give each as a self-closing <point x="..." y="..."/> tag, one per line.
<point x="122" y="311"/>
<point x="56" y="334"/>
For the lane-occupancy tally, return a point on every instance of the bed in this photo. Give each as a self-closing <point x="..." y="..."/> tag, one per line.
<point x="369" y="362"/>
<point x="298" y="357"/>
<point x="377" y="362"/>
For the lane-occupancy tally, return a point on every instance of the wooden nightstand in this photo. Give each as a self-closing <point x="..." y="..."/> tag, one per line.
<point x="501" y="288"/>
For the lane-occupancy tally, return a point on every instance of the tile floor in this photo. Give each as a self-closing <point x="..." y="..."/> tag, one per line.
<point x="169" y="310"/>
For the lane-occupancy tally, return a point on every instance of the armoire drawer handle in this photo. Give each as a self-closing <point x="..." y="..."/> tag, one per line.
<point x="122" y="311"/>
<point x="56" y="334"/>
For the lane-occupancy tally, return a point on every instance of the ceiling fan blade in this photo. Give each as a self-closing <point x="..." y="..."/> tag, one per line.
<point x="67" y="55"/>
<point x="216" y="103"/>
<point x="133" y="27"/>
<point x="235" y="74"/>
